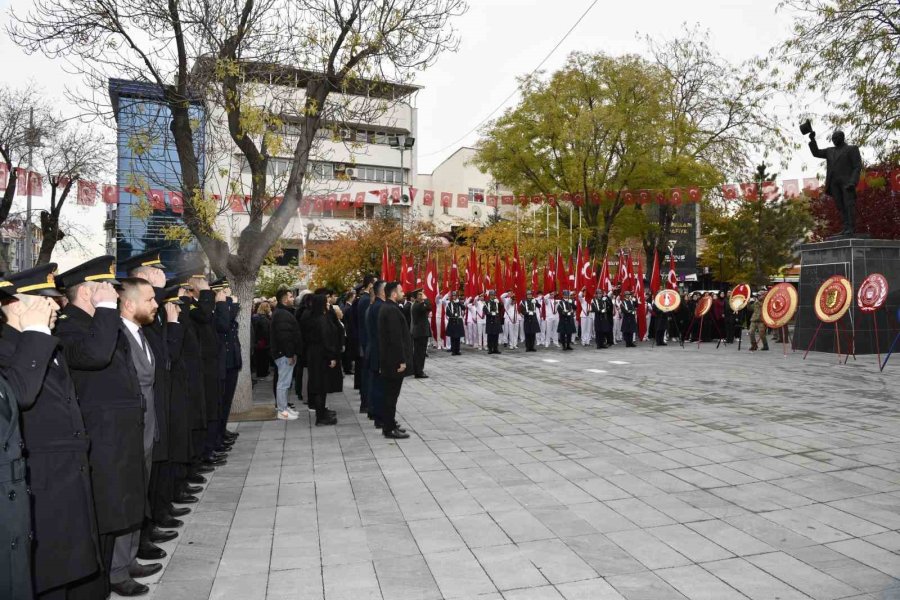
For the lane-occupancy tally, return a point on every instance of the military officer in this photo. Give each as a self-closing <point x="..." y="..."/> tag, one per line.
<point x="66" y="548"/>
<point x="629" y="319"/>
<point x="601" y="309"/>
<point x="20" y="384"/>
<point x="528" y="308"/>
<point x="493" y="315"/>
<point x="455" y="310"/>
<point x="565" y="309"/>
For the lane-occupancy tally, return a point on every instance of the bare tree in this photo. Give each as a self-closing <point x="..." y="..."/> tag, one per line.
<point x="238" y="60"/>
<point x="70" y="154"/>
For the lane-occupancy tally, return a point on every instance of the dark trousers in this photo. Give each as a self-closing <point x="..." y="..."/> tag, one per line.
<point x="298" y="378"/>
<point x="317" y="401"/>
<point x="565" y="340"/>
<point x="493" y="342"/>
<point x="375" y="395"/>
<point x="599" y="334"/>
<point x="454" y="345"/>
<point x="389" y="406"/>
<point x="212" y="437"/>
<point x="228" y="388"/>
<point x="347" y="360"/>
<point x="95" y="586"/>
<point x="529" y="341"/>
<point x="420" y="346"/>
<point x="159" y="505"/>
<point x="845" y="199"/>
<point x="357" y="373"/>
<point x="262" y="361"/>
<point x="662" y="324"/>
<point x="629" y="337"/>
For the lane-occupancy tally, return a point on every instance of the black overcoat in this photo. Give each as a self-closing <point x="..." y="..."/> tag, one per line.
<point x="493" y="316"/>
<point x="395" y="344"/>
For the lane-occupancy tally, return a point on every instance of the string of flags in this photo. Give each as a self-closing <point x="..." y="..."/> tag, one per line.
<point x="88" y="192"/>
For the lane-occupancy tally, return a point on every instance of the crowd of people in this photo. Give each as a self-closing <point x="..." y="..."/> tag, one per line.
<point x="114" y="399"/>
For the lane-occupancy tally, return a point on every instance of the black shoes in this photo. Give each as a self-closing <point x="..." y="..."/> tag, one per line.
<point x="630" y="345"/>
<point x="179" y="511"/>
<point x="150" y="551"/>
<point x="193" y="489"/>
<point x="184" y="499"/>
<point x="421" y="376"/>
<point x="214" y="461"/>
<point x="379" y="424"/>
<point x="198" y="470"/>
<point x="363" y="408"/>
<point x="329" y="420"/>
<point x="129" y="588"/>
<point x="169" y="523"/>
<point x="395" y="434"/>
<point x="139" y="571"/>
<point x="159" y="536"/>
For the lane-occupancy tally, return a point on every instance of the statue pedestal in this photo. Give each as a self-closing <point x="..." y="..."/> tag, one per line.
<point x="853" y="258"/>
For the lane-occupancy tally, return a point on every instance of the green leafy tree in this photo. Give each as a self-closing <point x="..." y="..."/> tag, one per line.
<point x="754" y="241"/>
<point x="848" y="52"/>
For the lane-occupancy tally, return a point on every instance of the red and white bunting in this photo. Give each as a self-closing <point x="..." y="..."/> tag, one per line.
<point x="176" y="201"/>
<point x="462" y="201"/>
<point x="87" y="193"/>
<point x="428" y="198"/>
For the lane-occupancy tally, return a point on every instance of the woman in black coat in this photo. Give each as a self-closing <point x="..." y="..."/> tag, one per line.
<point x="322" y="354"/>
<point x="261" y="324"/>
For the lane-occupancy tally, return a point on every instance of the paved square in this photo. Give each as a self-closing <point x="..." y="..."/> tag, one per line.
<point x="651" y="473"/>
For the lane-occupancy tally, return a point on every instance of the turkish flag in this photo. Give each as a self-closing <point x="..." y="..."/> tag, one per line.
<point x="595" y="198"/>
<point x="345" y="201"/>
<point x="412" y="194"/>
<point x="431" y="288"/>
<point x="176" y="201"/>
<point x="811" y="187"/>
<point x="537" y="199"/>
<point x="605" y="283"/>
<point x="675" y="197"/>
<point x="578" y="200"/>
<point x="360" y="200"/>
<point x="492" y="201"/>
<point x="643" y="197"/>
<point x="551" y="199"/>
<point x="87" y="193"/>
<point x="454" y="273"/>
<point x="769" y="191"/>
<point x="319" y="204"/>
<point x="507" y="200"/>
<point x="660" y="197"/>
<point x="446" y="199"/>
<point x="34" y="183"/>
<point x="21" y="181"/>
<point x="383" y="197"/>
<point x="628" y="197"/>
<point x="4" y="175"/>
<point x="522" y="199"/>
<point x="305" y="206"/>
<point x="694" y="194"/>
<point x="672" y="279"/>
<point x="110" y="194"/>
<point x="462" y="201"/>
<point x="639" y="298"/>
<point x="330" y="201"/>
<point x="550" y="275"/>
<point x="428" y="198"/>
<point x="729" y="191"/>
<point x="895" y="180"/>
<point x="791" y="188"/>
<point x="749" y="191"/>
<point x="157" y="199"/>
<point x="655" y="275"/>
<point x="236" y="203"/>
<point x="395" y="195"/>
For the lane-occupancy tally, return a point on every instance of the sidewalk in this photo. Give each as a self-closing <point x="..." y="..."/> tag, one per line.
<point x="644" y="474"/>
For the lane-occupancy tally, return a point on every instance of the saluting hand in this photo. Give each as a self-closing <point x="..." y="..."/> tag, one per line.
<point x="221" y="296"/>
<point x="40" y="313"/>
<point x="172" y="312"/>
<point x="103" y="292"/>
<point x="402" y="368"/>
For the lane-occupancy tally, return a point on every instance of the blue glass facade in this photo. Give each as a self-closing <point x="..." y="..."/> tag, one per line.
<point x="147" y="160"/>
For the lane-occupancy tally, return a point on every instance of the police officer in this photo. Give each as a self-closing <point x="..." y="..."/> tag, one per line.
<point x="230" y="342"/>
<point x="455" y="310"/>
<point x="493" y="315"/>
<point x="20" y="384"/>
<point x="531" y="325"/>
<point x="565" y="308"/>
<point x="629" y="319"/>
<point x="66" y="549"/>
<point x="601" y="309"/>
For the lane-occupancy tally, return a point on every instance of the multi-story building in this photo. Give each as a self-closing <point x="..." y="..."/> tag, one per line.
<point x="12" y="244"/>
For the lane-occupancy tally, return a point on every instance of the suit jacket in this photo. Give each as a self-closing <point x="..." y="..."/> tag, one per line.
<point x="102" y="371"/>
<point x="210" y="317"/>
<point x="372" y="345"/>
<point x="843" y="165"/>
<point x="420" y="327"/>
<point x="394" y="342"/>
<point x="192" y="361"/>
<point x="362" y="330"/>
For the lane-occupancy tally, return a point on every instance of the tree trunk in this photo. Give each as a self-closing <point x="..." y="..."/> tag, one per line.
<point x="243" y="287"/>
<point x="51" y="235"/>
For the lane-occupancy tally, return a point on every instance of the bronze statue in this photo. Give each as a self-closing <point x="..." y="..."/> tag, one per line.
<point x="843" y="166"/>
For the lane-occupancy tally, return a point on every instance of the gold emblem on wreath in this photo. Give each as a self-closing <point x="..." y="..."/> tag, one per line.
<point x="833" y="299"/>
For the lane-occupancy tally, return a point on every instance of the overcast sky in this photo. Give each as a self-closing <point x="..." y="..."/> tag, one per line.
<point x="501" y="39"/>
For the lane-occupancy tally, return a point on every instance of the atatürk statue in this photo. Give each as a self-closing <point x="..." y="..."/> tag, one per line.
<point x="843" y="166"/>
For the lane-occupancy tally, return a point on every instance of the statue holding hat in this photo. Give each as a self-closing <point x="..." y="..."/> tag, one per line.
<point x="843" y="165"/>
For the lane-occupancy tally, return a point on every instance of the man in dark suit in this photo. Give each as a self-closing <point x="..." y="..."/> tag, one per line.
<point x="360" y="371"/>
<point x="395" y="355"/>
<point x="420" y="330"/>
<point x="843" y="166"/>
<point x="375" y="388"/>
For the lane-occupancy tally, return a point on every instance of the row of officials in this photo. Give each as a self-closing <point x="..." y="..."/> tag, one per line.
<point x="114" y="397"/>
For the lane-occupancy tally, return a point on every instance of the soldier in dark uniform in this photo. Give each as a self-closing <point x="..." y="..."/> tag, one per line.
<point x="493" y="315"/>
<point x="531" y="325"/>
<point x="629" y="319"/>
<point x="66" y="548"/>
<point x="661" y="322"/>
<point x="566" y="328"/>
<point x="602" y="325"/>
<point x="20" y="384"/>
<point x="455" y="310"/>
<point x="420" y="330"/>
<point x="230" y="341"/>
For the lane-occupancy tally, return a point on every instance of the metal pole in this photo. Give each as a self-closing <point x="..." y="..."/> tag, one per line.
<point x="517" y="223"/>
<point x="29" y="260"/>
<point x="547" y="230"/>
<point x="557" y="225"/>
<point x="571" y="223"/>
<point x="400" y="205"/>
<point x="579" y="226"/>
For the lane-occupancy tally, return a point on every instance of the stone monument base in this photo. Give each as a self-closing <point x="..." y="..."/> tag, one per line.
<point x="853" y="258"/>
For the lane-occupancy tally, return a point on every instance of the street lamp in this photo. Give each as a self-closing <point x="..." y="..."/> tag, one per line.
<point x="402" y="143"/>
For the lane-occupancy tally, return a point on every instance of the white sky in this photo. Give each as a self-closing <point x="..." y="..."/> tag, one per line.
<point x="501" y="39"/>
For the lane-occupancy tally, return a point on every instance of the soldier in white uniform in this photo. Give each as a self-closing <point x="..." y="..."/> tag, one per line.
<point x="512" y="322"/>
<point x="617" y="317"/>
<point x="587" y="319"/>
<point x="550" y="334"/>
<point x="475" y="322"/>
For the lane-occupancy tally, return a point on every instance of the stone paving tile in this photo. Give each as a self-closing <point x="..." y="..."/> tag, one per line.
<point x="534" y="480"/>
